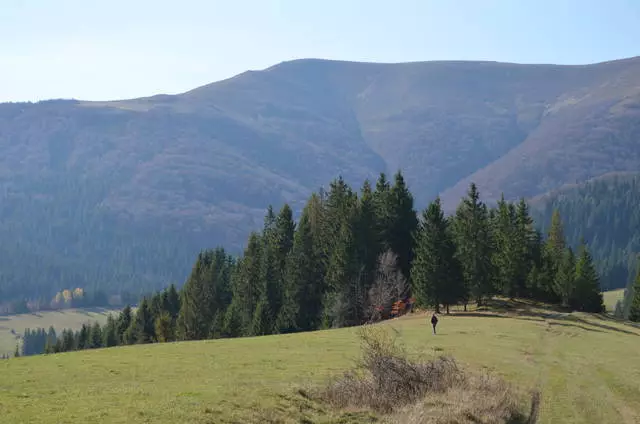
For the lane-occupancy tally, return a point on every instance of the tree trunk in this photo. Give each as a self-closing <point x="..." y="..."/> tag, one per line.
<point x="447" y="309"/>
<point x="465" y="306"/>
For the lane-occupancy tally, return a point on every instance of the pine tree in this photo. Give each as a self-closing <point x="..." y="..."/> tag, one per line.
<point x="172" y="301"/>
<point x="383" y="211"/>
<point x="506" y="253"/>
<point x="304" y="279"/>
<point x="472" y="233"/>
<point x="95" y="336"/>
<point x="586" y="295"/>
<point x="436" y="276"/>
<point x="110" y="332"/>
<point x="565" y="277"/>
<point x="632" y="298"/>
<point x="68" y="341"/>
<point x="83" y="338"/>
<point x="164" y="327"/>
<point x="123" y="324"/>
<point x="262" y="318"/>
<point x="403" y="223"/>
<point x="143" y="326"/>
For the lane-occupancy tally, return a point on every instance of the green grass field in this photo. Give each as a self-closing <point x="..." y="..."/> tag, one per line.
<point x="611" y="298"/>
<point x="586" y="367"/>
<point x="13" y="326"/>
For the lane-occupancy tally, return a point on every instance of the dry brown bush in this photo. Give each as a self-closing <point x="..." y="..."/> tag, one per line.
<point x="419" y="392"/>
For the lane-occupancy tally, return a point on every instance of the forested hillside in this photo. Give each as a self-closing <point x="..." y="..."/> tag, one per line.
<point x="606" y="213"/>
<point x="356" y="257"/>
<point x="120" y="195"/>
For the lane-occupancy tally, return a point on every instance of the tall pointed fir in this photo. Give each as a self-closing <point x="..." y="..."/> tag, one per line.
<point x="383" y="210"/>
<point x="436" y="275"/>
<point x="566" y="276"/>
<point x="403" y="223"/>
<point x="143" y="326"/>
<point x="632" y="300"/>
<point x="304" y="280"/>
<point x="506" y="249"/>
<point x="586" y="294"/>
<point x="471" y="228"/>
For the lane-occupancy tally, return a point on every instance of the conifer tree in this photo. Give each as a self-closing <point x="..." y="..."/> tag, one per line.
<point x="143" y="326"/>
<point x="110" y="332"/>
<point x="586" y="295"/>
<point x="68" y="341"/>
<point x="95" y="336"/>
<point x="304" y="279"/>
<point x="472" y="233"/>
<point x="632" y="299"/>
<point x="383" y="211"/>
<point x="403" y="223"/>
<point x="436" y="276"/>
<point x="506" y="253"/>
<point x="83" y="337"/>
<point x="164" y="327"/>
<point x="565" y="277"/>
<point x="262" y="318"/>
<point x="123" y="324"/>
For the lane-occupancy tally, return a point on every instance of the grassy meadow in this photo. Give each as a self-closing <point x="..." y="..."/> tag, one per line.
<point x="13" y="326"/>
<point x="584" y="365"/>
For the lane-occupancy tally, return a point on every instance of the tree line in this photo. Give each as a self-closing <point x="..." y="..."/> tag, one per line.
<point x="605" y="212"/>
<point x="350" y="256"/>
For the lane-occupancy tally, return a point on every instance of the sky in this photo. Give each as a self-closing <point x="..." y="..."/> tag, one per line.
<point x="116" y="49"/>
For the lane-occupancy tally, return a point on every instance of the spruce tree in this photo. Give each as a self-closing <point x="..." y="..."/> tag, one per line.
<point x="472" y="233"/>
<point x="68" y="341"/>
<point x="164" y="327"/>
<point x="565" y="277"/>
<point x="110" y="332"/>
<point x="586" y="295"/>
<point x="262" y="318"/>
<point x="436" y="276"/>
<point x="143" y="326"/>
<point x="83" y="338"/>
<point x="123" y="323"/>
<point x="304" y="279"/>
<point x="632" y="299"/>
<point x="95" y="336"/>
<point x="383" y="211"/>
<point x="403" y="223"/>
<point x="506" y="253"/>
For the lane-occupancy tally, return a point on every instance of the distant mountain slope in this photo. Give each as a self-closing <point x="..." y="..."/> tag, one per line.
<point x="123" y="192"/>
<point x="605" y="211"/>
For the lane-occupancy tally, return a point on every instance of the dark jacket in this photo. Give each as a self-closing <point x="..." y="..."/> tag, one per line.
<point x="434" y="320"/>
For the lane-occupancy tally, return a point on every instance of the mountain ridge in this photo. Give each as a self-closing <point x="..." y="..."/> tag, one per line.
<point x="198" y="169"/>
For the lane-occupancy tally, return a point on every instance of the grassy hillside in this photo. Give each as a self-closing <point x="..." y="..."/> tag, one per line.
<point x="240" y="380"/>
<point x="12" y="326"/>
<point x="126" y="193"/>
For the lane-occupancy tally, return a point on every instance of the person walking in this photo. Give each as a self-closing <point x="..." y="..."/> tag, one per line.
<point x="434" y="322"/>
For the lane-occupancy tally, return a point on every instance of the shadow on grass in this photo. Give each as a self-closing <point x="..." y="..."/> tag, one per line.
<point x="525" y="310"/>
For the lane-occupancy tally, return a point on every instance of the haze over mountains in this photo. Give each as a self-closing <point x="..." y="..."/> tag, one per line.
<point x="129" y="191"/>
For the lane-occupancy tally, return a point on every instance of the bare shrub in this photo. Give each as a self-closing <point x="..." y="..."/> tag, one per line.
<point x="385" y="380"/>
<point x="389" y="286"/>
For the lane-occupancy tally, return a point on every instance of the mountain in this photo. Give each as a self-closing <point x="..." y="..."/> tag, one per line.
<point x="124" y="193"/>
<point x="604" y="211"/>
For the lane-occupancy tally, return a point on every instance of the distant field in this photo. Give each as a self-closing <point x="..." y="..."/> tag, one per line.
<point x="69" y="318"/>
<point x="585" y="366"/>
<point x="611" y="297"/>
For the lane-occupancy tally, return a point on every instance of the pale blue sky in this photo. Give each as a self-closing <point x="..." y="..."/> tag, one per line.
<point x="112" y="49"/>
